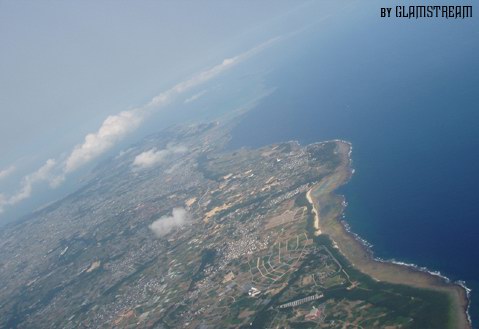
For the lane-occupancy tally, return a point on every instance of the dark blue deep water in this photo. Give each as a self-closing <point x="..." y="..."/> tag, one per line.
<point x="406" y="94"/>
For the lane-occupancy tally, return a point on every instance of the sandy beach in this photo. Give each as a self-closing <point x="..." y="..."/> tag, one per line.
<point x="317" y="230"/>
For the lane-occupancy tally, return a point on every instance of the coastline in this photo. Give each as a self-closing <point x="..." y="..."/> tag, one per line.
<point x="359" y="254"/>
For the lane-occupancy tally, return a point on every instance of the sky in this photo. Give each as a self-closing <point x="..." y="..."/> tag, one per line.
<point x="76" y="78"/>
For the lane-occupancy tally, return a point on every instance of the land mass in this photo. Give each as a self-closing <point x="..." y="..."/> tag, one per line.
<point x="360" y="256"/>
<point x="209" y="238"/>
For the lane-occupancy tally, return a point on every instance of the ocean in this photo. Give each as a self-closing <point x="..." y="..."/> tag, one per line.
<point x="406" y="94"/>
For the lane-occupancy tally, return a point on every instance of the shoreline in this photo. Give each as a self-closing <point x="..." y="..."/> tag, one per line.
<point x="359" y="253"/>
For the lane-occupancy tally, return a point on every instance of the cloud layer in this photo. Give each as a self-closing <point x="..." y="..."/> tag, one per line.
<point x="166" y="224"/>
<point x="7" y="172"/>
<point x="153" y="157"/>
<point x="44" y="174"/>
<point x="115" y="128"/>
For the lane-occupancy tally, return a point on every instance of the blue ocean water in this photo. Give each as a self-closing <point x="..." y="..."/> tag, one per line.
<point x="406" y="94"/>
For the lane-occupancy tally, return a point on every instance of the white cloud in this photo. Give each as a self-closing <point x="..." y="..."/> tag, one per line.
<point x="149" y="158"/>
<point x="166" y="224"/>
<point x="44" y="174"/>
<point x="153" y="157"/>
<point x="7" y="172"/>
<point x="206" y="75"/>
<point x="115" y="127"/>
<point x="195" y="96"/>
